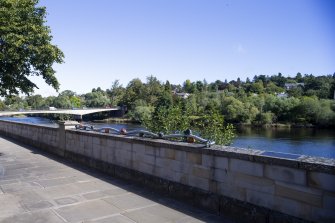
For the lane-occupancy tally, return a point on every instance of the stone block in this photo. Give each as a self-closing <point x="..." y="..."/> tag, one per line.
<point x="111" y="143"/>
<point x="146" y="159"/>
<point x="167" y="174"/>
<point x="221" y="163"/>
<point x="176" y="166"/>
<point x="198" y="182"/>
<point x="96" y="140"/>
<point x="161" y="162"/>
<point x="123" y="157"/>
<point x="146" y="168"/>
<point x="246" y="167"/>
<point x="103" y="141"/>
<point x="220" y="175"/>
<point x="111" y="155"/>
<point x="258" y="184"/>
<point x="322" y="180"/>
<point x="231" y="191"/>
<point x="181" y="155"/>
<point x="293" y="207"/>
<point x="88" y="149"/>
<point x="329" y="201"/>
<point x="299" y="193"/>
<point x="285" y="174"/>
<point x="195" y="158"/>
<point x="96" y="152"/>
<point x="323" y="215"/>
<point x="104" y="153"/>
<point x="139" y="148"/>
<point x="260" y="198"/>
<point x="208" y="160"/>
<point x="127" y="146"/>
<point x="203" y="172"/>
<point x="170" y="153"/>
<point x="150" y="150"/>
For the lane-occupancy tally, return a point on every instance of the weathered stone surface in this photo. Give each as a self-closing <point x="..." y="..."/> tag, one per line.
<point x="10" y="205"/>
<point x="285" y="174"/>
<point x="200" y="182"/>
<point x="323" y="215"/>
<point x="194" y="158"/>
<point x="86" y="211"/>
<point x="293" y="208"/>
<point x="45" y="216"/>
<point x="231" y="191"/>
<point x="260" y="198"/>
<point x="246" y="167"/>
<point x="221" y="163"/>
<point x="329" y="201"/>
<point x="221" y="175"/>
<point x="203" y="172"/>
<point x="299" y="193"/>
<point x="208" y="161"/>
<point x="322" y="180"/>
<point x="253" y="183"/>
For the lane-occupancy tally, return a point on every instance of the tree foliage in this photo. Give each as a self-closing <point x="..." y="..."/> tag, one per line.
<point x="25" y="47"/>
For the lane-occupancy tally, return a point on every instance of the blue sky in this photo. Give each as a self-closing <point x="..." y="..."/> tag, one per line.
<point x="175" y="40"/>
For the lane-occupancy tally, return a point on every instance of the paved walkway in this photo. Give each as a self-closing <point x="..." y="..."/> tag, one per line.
<point x="40" y="188"/>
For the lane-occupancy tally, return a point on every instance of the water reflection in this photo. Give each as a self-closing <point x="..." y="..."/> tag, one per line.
<point x="314" y="142"/>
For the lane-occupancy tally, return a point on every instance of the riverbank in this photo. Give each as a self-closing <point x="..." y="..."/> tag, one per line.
<point x="117" y="120"/>
<point x="239" y="125"/>
<point x="278" y="125"/>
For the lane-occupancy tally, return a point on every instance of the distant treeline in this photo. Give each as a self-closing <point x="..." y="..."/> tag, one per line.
<point x="303" y="99"/>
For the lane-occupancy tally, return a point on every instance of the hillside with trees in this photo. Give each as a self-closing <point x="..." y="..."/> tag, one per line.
<point x="300" y="100"/>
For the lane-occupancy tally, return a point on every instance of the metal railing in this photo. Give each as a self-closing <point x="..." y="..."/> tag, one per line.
<point x="184" y="136"/>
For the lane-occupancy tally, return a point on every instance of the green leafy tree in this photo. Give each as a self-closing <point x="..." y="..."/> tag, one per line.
<point x="36" y="101"/>
<point x="76" y="102"/>
<point x="62" y="101"/>
<point x="25" y="47"/>
<point x="135" y="90"/>
<point x="116" y="93"/>
<point x="153" y="89"/>
<point x="2" y="106"/>
<point x="175" y="118"/>
<point x="96" y="99"/>
<point x="15" y="102"/>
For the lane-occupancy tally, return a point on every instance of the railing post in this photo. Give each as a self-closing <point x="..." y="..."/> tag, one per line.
<point x="63" y="125"/>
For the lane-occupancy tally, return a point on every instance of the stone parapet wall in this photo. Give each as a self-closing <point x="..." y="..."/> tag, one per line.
<point x="35" y="135"/>
<point x="241" y="182"/>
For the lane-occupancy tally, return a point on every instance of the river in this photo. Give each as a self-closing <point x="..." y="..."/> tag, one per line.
<point x="310" y="141"/>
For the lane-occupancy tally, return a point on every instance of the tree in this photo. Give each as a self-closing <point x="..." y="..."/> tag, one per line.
<point x="2" y="105"/>
<point x="36" y="101"/>
<point x="25" y="47"/>
<point x="96" y="99"/>
<point x="116" y="92"/>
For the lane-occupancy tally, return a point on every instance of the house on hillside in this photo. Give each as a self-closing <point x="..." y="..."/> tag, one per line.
<point x="289" y="86"/>
<point x="282" y="95"/>
<point x="183" y="95"/>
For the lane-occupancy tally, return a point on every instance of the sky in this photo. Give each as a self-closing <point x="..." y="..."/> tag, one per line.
<point x="175" y="40"/>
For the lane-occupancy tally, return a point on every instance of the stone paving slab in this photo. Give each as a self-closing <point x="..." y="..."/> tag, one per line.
<point x="38" y="187"/>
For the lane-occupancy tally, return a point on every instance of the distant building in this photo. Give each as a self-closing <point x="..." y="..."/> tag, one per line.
<point x="289" y="86"/>
<point x="183" y="95"/>
<point x="282" y="95"/>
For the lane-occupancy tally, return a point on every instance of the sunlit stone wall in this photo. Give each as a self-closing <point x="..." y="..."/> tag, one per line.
<point x="240" y="182"/>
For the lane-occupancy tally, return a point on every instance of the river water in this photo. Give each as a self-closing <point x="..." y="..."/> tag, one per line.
<point x="310" y="141"/>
